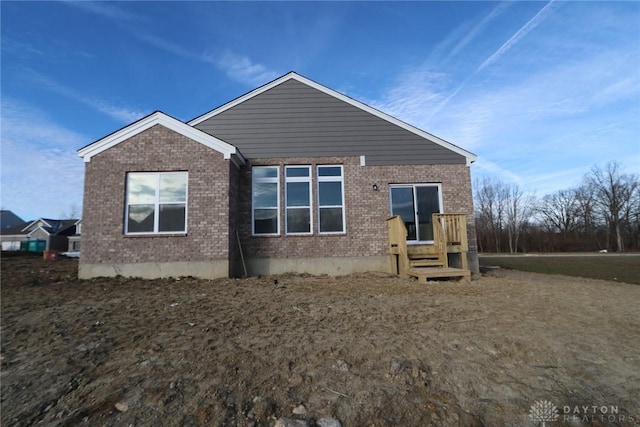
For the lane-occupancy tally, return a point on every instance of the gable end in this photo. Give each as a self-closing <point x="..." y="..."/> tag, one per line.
<point x="377" y="131"/>
<point x="162" y="119"/>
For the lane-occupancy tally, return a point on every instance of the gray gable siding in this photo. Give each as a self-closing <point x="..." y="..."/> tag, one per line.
<point x="295" y="120"/>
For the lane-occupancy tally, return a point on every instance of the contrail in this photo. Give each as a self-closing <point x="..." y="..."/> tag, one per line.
<point x="526" y="28"/>
<point x="523" y="31"/>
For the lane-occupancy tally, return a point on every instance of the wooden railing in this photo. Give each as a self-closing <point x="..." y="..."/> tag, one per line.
<point x="398" y="246"/>
<point x="453" y="228"/>
<point x="449" y="236"/>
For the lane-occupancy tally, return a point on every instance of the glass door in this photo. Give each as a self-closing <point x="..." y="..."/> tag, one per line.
<point x="415" y="204"/>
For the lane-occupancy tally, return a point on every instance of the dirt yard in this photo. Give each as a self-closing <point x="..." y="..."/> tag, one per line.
<point x="369" y="350"/>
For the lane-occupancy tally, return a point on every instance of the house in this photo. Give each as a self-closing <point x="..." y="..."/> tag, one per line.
<point x="74" y="239"/>
<point x="55" y="233"/>
<point x="11" y="226"/>
<point x="290" y="177"/>
<point x="41" y="234"/>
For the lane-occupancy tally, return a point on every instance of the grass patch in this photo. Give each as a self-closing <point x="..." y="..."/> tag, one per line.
<point x="619" y="268"/>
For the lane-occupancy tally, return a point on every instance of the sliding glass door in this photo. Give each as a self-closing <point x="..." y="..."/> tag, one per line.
<point x="415" y="203"/>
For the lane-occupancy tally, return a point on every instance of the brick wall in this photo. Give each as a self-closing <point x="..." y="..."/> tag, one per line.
<point x="219" y="203"/>
<point x="156" y="150"/>
<point x="366" y="209"/>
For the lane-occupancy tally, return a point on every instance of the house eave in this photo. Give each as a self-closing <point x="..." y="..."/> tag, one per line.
<point x="34" y="222"/>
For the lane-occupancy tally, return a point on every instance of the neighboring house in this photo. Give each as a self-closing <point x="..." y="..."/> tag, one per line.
<point x="12" y="236"/>
<point x="50" y="234"/>
<point x="290" y="177"/>
<point x="74" y="239"/>
<point x="9" y="220"/>
<point x="54" y="232"/>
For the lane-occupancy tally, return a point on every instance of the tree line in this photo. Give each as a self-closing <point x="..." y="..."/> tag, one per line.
<point x="601" y="213"/>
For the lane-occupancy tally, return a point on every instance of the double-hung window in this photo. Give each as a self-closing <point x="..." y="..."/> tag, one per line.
<point x="156" y="203"/>
<point x="331" y="199"/>
<point x="265" y="200"/>
<point x="298" y="199"/>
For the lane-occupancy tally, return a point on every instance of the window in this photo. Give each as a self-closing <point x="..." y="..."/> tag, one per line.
<point x="265" y="200"/>
<point x="416" y="203"/>
<point x="298" y="199"/>
<point x="156" y="203"/>
<point x="330" y="200"/>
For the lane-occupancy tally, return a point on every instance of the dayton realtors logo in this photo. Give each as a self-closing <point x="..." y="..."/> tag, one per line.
<point x="593" y="413"/>
<point x="543" y="411"/>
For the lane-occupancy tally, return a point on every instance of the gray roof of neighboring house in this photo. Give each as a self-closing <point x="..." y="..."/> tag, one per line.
<point x="15" y="230"/>
<point x="9" y="220"/>
<point x="62" y="227"/>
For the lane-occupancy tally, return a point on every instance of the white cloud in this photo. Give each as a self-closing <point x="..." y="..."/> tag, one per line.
<point x="413" y="96"/>
<point x="42" y="176"/>
<point x="542" y="129"/>
<point x="109" y="10"/>
<point x="167" y="45"/>
<point x="237" y="67"/>
<point x="120" y="113"/>
<point x="242" y="69"/>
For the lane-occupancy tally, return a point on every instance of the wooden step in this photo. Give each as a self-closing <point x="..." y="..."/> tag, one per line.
<point x="426" y="273"/>
<point x="426" y="263"/>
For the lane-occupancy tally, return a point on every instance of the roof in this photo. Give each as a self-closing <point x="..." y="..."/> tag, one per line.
<point x="470" y="157"/>
<point x="9" y="220"/>
<point x="51" y="226"/>
<point x="15" y="230"/>
<point x="162" y="119"/>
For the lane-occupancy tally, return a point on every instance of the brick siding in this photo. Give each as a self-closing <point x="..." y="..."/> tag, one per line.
<point x="219" y="204"/>
<point x="366" y="209"/>
<point x="157" y="149"/>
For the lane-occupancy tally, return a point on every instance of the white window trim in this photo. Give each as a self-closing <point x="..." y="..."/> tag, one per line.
<point x="308" y="180"/>
<point x="415" y="201"/>
<point x="156" y="203"/>
<point x="331" y="179"/>
<point x="254" y="181"/>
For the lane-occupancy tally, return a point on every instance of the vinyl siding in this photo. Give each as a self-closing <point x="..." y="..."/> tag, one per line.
<point x="295" y="120"/>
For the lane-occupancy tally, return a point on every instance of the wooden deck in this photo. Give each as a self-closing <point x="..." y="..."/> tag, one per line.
<point x="430" y="261"/>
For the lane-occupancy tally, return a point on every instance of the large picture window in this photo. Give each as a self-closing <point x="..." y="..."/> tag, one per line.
<point x="331" y="216"/>
<point x="265" y="200"/>
<point x="156" y="203"/>
<point x="298" y="199"/>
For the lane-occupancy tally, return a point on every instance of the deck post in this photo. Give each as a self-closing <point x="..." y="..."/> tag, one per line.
<point x="398" y="246"/>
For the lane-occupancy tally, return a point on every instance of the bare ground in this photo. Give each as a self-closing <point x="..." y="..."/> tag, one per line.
<point x="367" y="349"/>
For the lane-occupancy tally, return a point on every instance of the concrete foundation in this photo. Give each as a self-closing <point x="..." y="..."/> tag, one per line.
<point x="332" y="266"/>
<point x="155" y="270"/>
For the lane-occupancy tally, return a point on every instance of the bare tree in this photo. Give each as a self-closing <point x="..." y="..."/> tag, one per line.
<point x="602" y="212"/>
<point x="73" y="212"/>
<point x="490" y="202"/>
<point x="560" y="211"/>
<point x="614" y="193"/>
<point x="519" y="207"/>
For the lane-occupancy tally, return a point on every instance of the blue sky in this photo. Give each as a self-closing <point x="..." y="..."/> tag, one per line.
<point x="540" y="91"/>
